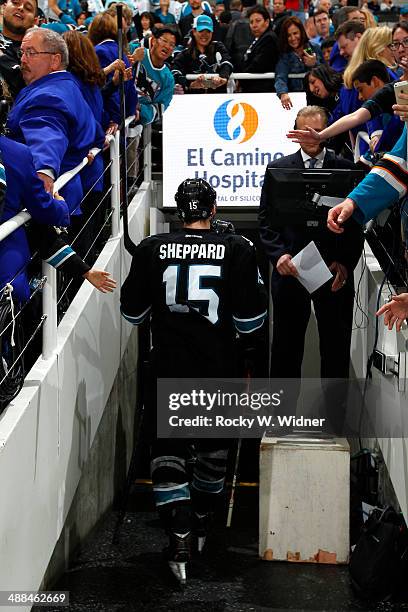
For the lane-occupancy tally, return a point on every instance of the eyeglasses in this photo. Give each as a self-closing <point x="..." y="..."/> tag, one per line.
<point x="164" y="41"/>
<point x="31" y="53"/>
<point x="394" y="46"/>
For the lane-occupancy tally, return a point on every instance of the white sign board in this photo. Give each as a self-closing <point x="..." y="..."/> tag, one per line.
<point x="226" y="139"/>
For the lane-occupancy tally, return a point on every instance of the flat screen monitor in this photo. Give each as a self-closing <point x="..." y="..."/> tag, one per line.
<point x="292" y="192"/>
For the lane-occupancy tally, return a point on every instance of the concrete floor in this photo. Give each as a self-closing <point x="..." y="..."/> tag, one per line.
<point x="131" y="576"/>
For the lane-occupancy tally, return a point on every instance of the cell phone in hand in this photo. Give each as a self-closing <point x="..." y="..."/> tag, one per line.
<point x="309" y="50"/>
<point x="207" y="82"/>
<point x="399" y="88"/>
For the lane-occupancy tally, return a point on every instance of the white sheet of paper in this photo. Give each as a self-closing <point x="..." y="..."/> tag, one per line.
<point x="313" y="272"/>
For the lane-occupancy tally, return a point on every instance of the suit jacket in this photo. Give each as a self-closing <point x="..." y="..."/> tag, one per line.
<point x="261" y="56"/>
<point x="345" y="248"/>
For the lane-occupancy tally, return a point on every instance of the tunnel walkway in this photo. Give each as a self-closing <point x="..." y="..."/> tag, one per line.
<point x="131" y="576"/>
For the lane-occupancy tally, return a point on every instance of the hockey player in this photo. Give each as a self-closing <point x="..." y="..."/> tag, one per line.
<point x="199" y="288"/>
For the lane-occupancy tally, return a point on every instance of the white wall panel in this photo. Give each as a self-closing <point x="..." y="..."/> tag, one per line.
<point x="47" y="431"/>
<point x="391" y="403"/>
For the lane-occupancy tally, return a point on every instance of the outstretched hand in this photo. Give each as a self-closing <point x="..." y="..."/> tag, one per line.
<point x="286" y="101"/>
<point x="339" y="214"/>
<point x="395" y="311"/>
<point x="101" y="279"/>
<point x="308" y="136"/>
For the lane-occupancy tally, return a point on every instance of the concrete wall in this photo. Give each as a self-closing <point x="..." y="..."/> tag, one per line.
<point x="105" y="469"/>
<point x="50" y="436"/>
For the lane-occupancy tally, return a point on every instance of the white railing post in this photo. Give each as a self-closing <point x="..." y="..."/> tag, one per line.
<point x="49" y="304"/>
<point x="147" y="145"/>
<point x="115" y="182"/>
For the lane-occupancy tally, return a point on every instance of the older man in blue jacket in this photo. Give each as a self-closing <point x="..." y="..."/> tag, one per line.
<point x="51" y="116"/>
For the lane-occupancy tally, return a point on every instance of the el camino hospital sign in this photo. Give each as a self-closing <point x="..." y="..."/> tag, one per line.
<point x="226" y="139"/>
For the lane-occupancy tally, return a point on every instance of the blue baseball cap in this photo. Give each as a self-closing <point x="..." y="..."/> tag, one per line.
<point x="203" y="22"/>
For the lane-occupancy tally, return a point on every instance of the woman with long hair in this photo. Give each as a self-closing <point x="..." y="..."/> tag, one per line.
<point x="298" y="55"/>
<point x="322" y="85"/>
<point x="127" y="22"/>
<point x="84" y="65"/>
<point x="369" y="19"/>
<point x="203" y="56"/>
<point x="144" y="23"/>
<point x="374" y="44"/>
<point x="103" y="34"/>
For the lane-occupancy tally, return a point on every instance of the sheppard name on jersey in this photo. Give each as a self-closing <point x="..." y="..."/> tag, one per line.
<point x="190" y="251"/>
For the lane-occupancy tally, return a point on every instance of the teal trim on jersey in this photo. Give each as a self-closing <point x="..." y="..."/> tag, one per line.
<point x="60" y="256"/>
<point x="246" y="326"/>
<point x="208" y="486"/>
<point x="2" y="175"/>
<point x="168" y="495"/>
<point x="378" y="190"/>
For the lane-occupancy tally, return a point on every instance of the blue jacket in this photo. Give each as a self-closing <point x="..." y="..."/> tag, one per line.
<point x="53" y="119"/>
<point x="24" y="190"/>
<point x="337" y="61"/>
<point x="348" y="103"/>
<point x="107" y="52"/>
<point x="290" y="63"/>
<point x="90" y="174"/>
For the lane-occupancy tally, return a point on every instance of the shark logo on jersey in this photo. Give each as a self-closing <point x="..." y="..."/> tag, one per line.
<point x="236" y="121"/>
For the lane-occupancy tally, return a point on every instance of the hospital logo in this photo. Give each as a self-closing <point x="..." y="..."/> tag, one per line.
<point x="235" y="121"/>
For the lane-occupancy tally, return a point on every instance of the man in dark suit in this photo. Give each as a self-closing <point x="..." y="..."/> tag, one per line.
<point x="333" y="302"/>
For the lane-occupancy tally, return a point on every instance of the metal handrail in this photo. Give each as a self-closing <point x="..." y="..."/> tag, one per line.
<point x="10" y="226"/>
<point x="49" y="294"/>
<point x="248" y="76"/>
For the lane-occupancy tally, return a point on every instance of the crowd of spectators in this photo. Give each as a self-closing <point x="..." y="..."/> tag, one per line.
<point x="60" y="71"/>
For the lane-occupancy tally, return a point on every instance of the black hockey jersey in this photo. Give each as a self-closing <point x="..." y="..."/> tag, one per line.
<point x="200" y="289"/>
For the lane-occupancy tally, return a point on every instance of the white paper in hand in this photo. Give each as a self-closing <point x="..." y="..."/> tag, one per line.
<point x="313" y="272"/>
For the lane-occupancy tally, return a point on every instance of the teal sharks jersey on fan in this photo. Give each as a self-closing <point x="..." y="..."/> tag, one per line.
<point x="155" y="87"/>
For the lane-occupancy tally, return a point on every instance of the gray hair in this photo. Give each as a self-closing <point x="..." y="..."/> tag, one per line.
<point x="52" y="42"/>
<point x="308" y="111"/>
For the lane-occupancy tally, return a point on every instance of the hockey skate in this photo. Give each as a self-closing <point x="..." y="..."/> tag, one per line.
<point x="178" y="554"/>
<point x="200" y="527"/>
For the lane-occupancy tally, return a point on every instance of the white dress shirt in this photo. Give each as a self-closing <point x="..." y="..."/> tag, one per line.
<point x="319" y="157"/>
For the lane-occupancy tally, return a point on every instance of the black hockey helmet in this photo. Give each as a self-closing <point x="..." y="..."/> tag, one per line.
<point x="195" y="199"/>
